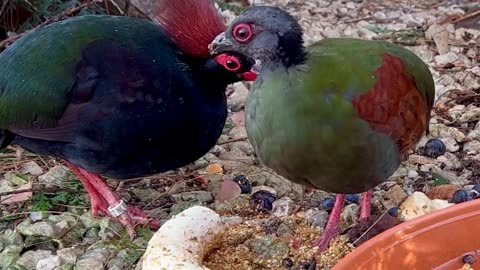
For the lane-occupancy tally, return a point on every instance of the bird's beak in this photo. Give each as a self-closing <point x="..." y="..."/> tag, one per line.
<point x="249" y="76"/>
<point x="219" y="44"/>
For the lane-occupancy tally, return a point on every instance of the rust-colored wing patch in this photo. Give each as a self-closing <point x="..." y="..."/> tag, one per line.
<point x="394" y="106"/>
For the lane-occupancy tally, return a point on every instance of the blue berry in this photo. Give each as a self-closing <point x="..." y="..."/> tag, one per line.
<point x="262" y="200"/>
<point x="353" y="198"/>
<point x="460" y="196"/>
<point x="435" y="148"/>
<point x="244" y="183"/>
<point x="393" y="211"/>
<point x="328" y="203"/>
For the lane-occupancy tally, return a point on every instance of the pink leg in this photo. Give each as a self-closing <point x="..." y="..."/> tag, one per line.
<point x="129" y="218"/>
<point x="366" y="204"/>
<point x="98" y="205"/>
<point x="333" y="226"/>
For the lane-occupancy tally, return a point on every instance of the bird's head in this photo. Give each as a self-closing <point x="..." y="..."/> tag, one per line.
<point x="232" y="66"/>
<point x="270" y="35"/>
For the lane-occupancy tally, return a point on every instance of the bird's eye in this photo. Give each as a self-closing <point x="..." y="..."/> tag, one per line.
<point x="229" y="62"/>
<point x="232" y="65"/>
<point x="242" y="32"/>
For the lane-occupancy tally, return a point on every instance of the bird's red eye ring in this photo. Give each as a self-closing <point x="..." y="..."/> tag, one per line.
<point x="231" y="63"/>
<point x="243" y="32"/>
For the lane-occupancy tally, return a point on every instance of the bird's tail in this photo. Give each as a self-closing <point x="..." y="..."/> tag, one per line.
<point x="6" y="138"/>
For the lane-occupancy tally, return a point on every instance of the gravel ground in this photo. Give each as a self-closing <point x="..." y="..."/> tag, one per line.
<point x="51" y="228"/>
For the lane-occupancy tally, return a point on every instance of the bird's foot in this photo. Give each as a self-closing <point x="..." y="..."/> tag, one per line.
<point x="106" y="202"/>
<point x="366" y="205"/>
<point x="333" y="225"/>
<point x="328" y="235"/>
<point x="99" y="207"/>
<point x="131" y="217"/>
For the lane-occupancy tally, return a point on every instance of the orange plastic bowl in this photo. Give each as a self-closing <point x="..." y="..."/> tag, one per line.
<point x="436" y="241"/>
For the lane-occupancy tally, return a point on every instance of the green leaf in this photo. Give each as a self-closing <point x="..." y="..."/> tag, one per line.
<point x="41" y="203"/>
<point x="439" y="180"/>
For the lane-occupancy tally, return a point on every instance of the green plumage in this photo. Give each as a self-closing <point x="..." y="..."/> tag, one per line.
<point x="302" y="124"/>
<point x="44" y="91"/>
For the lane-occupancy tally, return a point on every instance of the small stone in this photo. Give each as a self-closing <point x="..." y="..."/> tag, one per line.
<point x="268" y="247"/>
<point x="350" y="215"/>
<point x="443" y="192"/>
<point x="31" y="167"/>
<point x="110" y="228"/>
<point x="7" y="259"/>
<point x="241" y="202"/>
<point x="445" y="59"/>
<point x="37" y="216"/>
<point x="394" y="197"/>
<point x="317" y="218"/>
<point x="245" y="147"/>
<point x="412" y="174"/>
<point x="65" y="267"/>
<point x="283" y="230"/>
<point x="414" y="206"/>
<point x="472" y="147"/>
<point x="44" y="228"/>
<point x="10" y="237"/>
<point x="419" y="204"/>
<point x="236" y="100"/>
<point x="49" y="263"/>
<point x="238" y="132"/>
<point x="451" y="161"/>
<point x="443" y="131"/>
<point x="93" y="259"/>
<point x="197" y="196"/>
<point x="70" y="255"/>
<point x="469" y="115"/>
<point x="55" y="177"/>
<point x="30" y="258"/>
<point x="283" y="207"/>
<point x="451" y="144"/>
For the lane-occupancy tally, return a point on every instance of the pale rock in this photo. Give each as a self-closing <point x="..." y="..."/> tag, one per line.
<point x="350" y="215"/>
<point x="440" y="130"/>
<point x="418" y="204"/>
<point x="238" y="97"/>
<point x="444" y="59"/>
<point x="451" y="161"/>
<point x="30" y="258"/>
<point x="472" y="147"/>
<point x="283" y="207"/>
<point x="394" y="197"/>
<point x="31" y="167"/>
<point x="49" y="263"/>
<point x="238" y="132"/>
<point x="55" y="177"/>
<point x="456" y="111"/>
<point x="412" y="174"/>
<point x="93" y="259"/>
<point x="331" y="33"/>
<point x="70" y="255"/>
<point x="471" y="114"/>
<point x="450" y="144"/>
<point x="45" y="228"/>
<point x="317" y="218"/>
